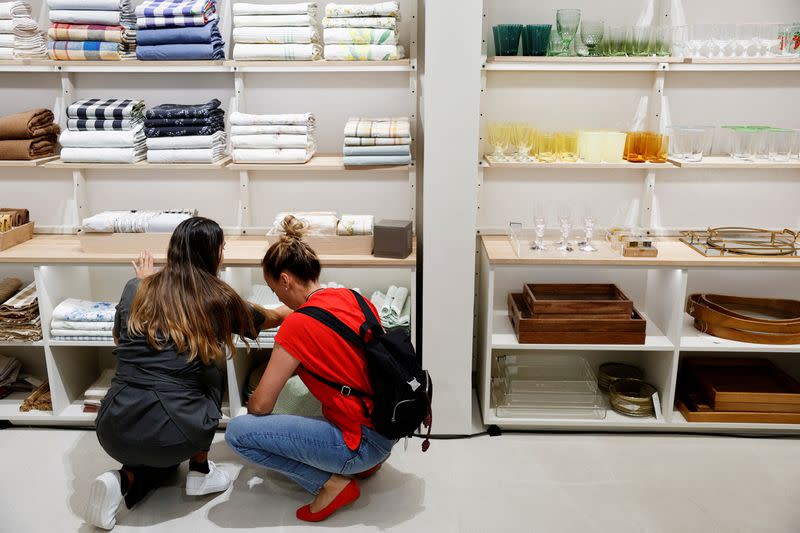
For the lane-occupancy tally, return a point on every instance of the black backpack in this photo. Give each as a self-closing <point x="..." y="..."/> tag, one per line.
<point x="402" y="390"/>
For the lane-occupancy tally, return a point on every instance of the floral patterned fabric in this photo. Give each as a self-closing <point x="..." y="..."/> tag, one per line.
<point x="383" y="9"/>
<point x="75" y="310"/>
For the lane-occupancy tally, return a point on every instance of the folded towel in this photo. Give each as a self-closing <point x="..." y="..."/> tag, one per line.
<point x="186" y="142"/>
<point x="355" y="225"/>
<point x="174" y="22"/>
<point x="136" y="221"/>
<point x="193" y="155"/>
<point x="9" y="370"/>
<point x="167" y="222"/>
<point x="99" y="388"/>
<point x="295" y="399"/>
<point x="66" y="334"/>
<point x="399" y="149"/>
<point x="87" y="51"/>
<point x="316" y="224"/>
<point x="185" y="131"/>
<point x="6" y="54"/>
<point x="245" y="119"/>
<point x="273" y="20"/>
<point x="80" y="124"/>
<point x="272" y="155"/>
<point x="184" y="110"/>
<point x="260" y="129"/>
<point x="182" y="52"/>
<point x="174" y="8"/>
<point x="103" y="155"/>
<point x="389" y="23"/>
<point x="376" y="160"/>
<point x="9" y="287"/>
<point x="6" y="40"/>
<point x="360" y="36"/>
<point x="383" y="9"/>
<point x="112" y="108"/>
<point x="19" y="217"/>
<point x="278" y="140"/>
<point x="363" y="52"/>
<point x="182" y="35"/>
<point x="27" y="149"/>
<point x="9" y="10"/>
<point x="103" y="138"/>
<point x="217" y="119"/>
<point x="276" y="35"/>
<point x="76" y="324"/>
<point x="74" y="16"/>
<point x="6" y="26"/>
<point x="378" y="127"/>
<point x="376" y="141"/>
<point x="92" y="5"/>
<point x="91" y="32"/>
<point x="76" y="310"/>
<point x="277" y="52"/>
<point x="244" y="8"/>
<point x="28" y="124"/>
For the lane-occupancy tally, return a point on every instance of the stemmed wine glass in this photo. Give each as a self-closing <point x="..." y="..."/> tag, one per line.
<point x="567" y="22"/>
<point x="565" y="225"/>
<point x="588" y="231"/>
<point x="539" y="226"/>
<point x="499" y="138"/>
<point x="592" y="32"/>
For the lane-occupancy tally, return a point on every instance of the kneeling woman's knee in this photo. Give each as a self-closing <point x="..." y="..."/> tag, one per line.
<point x="236" y="428"/>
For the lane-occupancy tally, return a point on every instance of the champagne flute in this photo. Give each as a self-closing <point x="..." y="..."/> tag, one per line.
<point x="588" y="231"/>
<point x="565" y="225"/>
<point x="499" y="139"/>
<point x="539" y="226"/>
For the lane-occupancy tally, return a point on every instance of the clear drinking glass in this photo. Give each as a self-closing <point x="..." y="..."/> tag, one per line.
<point x="789" y="37"/>
<point x="556" y="46"/>
<point x="680" y="41"/>
<point x="780" y="144"/>
<point x="592" y="32"/>
<point x="723" y="39"/>
<point x="704" y="34"/>
<point x="499" y="139"/>
<point x="520" y="135"/>
<point x="588" y="232"/>
<point x="662" y="41"/>
<point x="744" y="142"/>
<point x="567" y="22"/>
<point x="594" y="146"/>
<point x="565" y="227"/>
<point x="642" y="40"/>
<point x="746" y="39"/>
<point x="539" y="226"/>
<point x="690" y="143"/>
<point x="768" y="39"/>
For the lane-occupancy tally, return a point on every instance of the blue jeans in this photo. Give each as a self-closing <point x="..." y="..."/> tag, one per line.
<point x="307" y="450"/>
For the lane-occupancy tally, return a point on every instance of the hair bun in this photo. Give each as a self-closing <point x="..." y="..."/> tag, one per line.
<point x="293" y="229"/>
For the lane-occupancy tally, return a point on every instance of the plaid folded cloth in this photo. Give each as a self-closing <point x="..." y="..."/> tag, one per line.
<point x="87" y="51"/>
<point x="91" y="32"/>
<point x="175" y="22"/>
<point x="376" y="141"/>
<point x="173" y="8"/>
<point x="112" y="108"/>
<point x="378" y="127"/>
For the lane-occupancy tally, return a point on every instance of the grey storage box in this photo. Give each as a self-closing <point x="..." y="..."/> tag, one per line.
<point x="393" y="239"/>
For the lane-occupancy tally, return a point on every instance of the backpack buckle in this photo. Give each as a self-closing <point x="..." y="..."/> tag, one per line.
<point x="346" y="391"/>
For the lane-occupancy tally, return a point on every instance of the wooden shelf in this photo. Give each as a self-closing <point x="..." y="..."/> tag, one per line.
<point x="28" y="163"/>
<point x="738" y="64"/>
<point x="323" y="163"/>
<point x="504" y="338"/>
<point x="727" y="162"/>
<point x="671" y="254"/>
<point x="589" y="64"/>
<point x="578" y="165"/>
<point x="134" y="65"/>
<point x="240" y="251"/>
<point x="142" y="165"/>
<point x="399" y="65"/>
<point x="14" y="344"/>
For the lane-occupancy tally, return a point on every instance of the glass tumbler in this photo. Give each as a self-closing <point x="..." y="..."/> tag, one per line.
<point x="593" y="146"/>
<point x="506" y="39"/>
<point x="592" y="32"/>
<point x="535" y="38"/>
<point x="744" y="142"/>
<point x="780" y="144"/>
<point x="662" y="40"/>
<point x="567" y="22"/>
<point x="635" y="147"/>
<point x="567" y="146"/>
<point x="642" y="41"/>
<point x="555" y="47"/>
<point x="789" y="37"/>
<point x="768" y="39"/>
<point x="691" y="143"/>
<point x="614" y="146"/>
<point x="545" y="148"/>
<point x="656" y="147"/>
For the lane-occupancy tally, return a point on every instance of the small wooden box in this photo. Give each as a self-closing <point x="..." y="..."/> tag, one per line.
<point x="569" y="299"/>
<point x="640" y="252"/>
<point x="123" y="243"/>
<point x="16" y="236"/>
<point x="580" y="329"/>
<point x="334" y="244"/>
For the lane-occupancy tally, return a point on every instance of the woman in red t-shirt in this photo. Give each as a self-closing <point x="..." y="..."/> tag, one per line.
<point x="318" y="453"/>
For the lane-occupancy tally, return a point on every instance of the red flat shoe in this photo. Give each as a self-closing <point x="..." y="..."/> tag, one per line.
<point x="366" y="474"/>
<point x="349" y="494"/>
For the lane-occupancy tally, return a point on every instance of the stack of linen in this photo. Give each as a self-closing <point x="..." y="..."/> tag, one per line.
<point x="91" y="30"/>
<point x="394" y="307"/>
<point x="272" y="138"/>
<point x="28" y="135"/>
<point x="20" y="36"/>
<point x="278" y="32"/>
<point x="315" y="222"/>
<point x="19" y="314"/>
<point x="262" y="295"/>
<point x="377" y="141"/>
<point x="83" y="320"/>
<point x="178" y="30"/>
<point x="186" y="133"/>
<point x="136" y="221"/>
<point x="97" y="391"/>
<point x="104" y="131"/>
<point x="362" y="32"/>
<point x="13" y="379"/>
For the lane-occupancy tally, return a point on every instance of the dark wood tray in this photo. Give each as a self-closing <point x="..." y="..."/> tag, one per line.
<point x="630" y="329"/>
<point x="576" y="299"/>
<point x="744" y="384"/>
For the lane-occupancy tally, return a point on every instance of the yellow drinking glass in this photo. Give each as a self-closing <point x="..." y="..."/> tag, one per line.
<point x="614" y="147"/>
<point x="593" y="145"/>
<point x="499" y="139"/>
<point x="546" y="148"/>
<point x="567" y="146"/>
<point x="522" y="141"/>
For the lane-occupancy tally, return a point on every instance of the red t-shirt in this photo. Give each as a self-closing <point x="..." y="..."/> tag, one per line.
<point x="324" y="352"/>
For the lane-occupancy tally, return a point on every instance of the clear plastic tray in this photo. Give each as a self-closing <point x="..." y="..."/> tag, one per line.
<point x="545" y="368"/>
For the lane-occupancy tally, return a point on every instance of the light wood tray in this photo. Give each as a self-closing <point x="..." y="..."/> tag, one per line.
<point x="15" y="236"/>
<point x="123" y="243"/>
<point x="334" y="244"/>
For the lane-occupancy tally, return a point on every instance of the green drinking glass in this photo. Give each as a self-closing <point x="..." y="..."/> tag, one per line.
<point x="535" y="38"/>
<point x="567" y="22"/>
<point x="592" y="32"/>
<point x="506" y="39"/>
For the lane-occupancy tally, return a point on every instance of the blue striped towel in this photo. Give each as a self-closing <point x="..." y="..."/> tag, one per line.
<point x="173" y="8"/>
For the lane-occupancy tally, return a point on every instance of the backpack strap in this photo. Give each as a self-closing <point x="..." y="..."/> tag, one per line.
<point x="371" y="322"/>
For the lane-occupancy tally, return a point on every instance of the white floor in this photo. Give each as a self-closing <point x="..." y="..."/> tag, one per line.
<point x="529" y="482"/>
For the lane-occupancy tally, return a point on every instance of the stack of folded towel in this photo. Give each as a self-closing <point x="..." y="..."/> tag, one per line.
<point x="262" y="295"/>
<point x="185" y="133"/>
<point x="91" y="30"/>
<point x="362" y="32"/>
<point x="97" y="391"/>
<point x="178" y="30"/>
<point x="277" y="32"/>
<point x="104" y="131"/>
<point x="13" y="379"/>
<point x="19" y="313"/>
<point x="83" y="320"/>
<point x="20" y="36"/>
<point x="377" y="141"/>
<point x="315" y="222"/>
<point x="136" y="221"/>
<point x="28" y="135"/>
<point x="272" y="138"/>
<point x="394" y="307"/>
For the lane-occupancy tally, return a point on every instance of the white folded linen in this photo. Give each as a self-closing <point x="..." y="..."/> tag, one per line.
<point x="356" y="225"/>
<point x="191" y="155"/>
<point x="359" y="36"/>
<point x="103" y="18"/>
<point x="76" y="310"/>
<point x="317" y="223"/>
<point x="272" y="155"/>
<point x="260" y="129"/>
<point x="186" y="142"/>
<point x="382" y="9"/>
<point x="79" y="333"/>
<point x="6" y="53"/>
<point x="166" y="222"/>
<point x="245" y="119"/>
<point x="6" y="40"/>
<point x="74" y="324"/>
<point x="245" y="8"/>
<point x="273" y="20"/>
<point x="276" y="35"/>
<point x="103" y="138"/>
<point x="101" y="385"/>
<point x="6" y="26"/>
<point x="360" y="22"/>
<point x="102" y="155"/>
<point x="9" y="10"/>
<point x="278" y="140"/>
<point x="277" y="52"/>
<point x="364" y="52"/>
<point x="91" y="5"/>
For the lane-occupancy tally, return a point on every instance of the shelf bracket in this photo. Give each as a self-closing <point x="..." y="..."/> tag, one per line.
<point x="646" y="218"/>
<point x="412" y="184"/>
<point x="63" y="101"/>
<point x="243" y="219"/>
<point x="79" y="197"/>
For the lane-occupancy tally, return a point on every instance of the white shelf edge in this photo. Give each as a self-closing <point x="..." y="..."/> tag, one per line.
<point x="693" y="340"/>
<point x="83" y="344"/>
<point x="36" y="344"/>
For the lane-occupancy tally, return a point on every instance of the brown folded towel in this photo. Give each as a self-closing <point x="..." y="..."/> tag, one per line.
<point x="28" y="148"/>
<point x="27" y="125"/>
<point x="19" y="216"/>
<point x="8" y="288"/>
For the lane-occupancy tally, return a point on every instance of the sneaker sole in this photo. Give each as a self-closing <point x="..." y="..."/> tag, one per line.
<point x="207" y="490"/>
<point x="101" y="499"/>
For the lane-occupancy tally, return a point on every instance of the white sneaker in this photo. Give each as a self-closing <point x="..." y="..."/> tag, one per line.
<point x="105" y="500"/>
<point x="199" y="484"/>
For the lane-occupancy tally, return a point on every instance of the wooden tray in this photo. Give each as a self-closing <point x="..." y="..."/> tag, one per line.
<point x="577" y="299"/>
<point x="745" y="384"/>
<point x="334" y="244"/>
<point x="123" y="243"/>
<point x="584" y="330"/>
<point x="704" y="413"/>
<point x="15" y="236"/>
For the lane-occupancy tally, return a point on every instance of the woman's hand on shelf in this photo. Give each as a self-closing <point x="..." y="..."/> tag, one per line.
<point x="144" y="265"/>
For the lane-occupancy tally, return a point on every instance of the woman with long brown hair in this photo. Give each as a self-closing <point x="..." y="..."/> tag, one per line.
<point x="173" y="329"/>
<point x="321" y="455"/>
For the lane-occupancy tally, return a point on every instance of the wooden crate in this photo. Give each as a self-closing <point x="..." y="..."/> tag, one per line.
<point x="15" y="236"/>
<point x="585" y="329"/>
<point x="568" y="299"/>
<point x="123" y="243"/>
<point x="334" y="244"/>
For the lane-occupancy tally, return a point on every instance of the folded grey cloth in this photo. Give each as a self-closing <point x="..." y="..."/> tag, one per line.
<point x="9" y="370"/>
